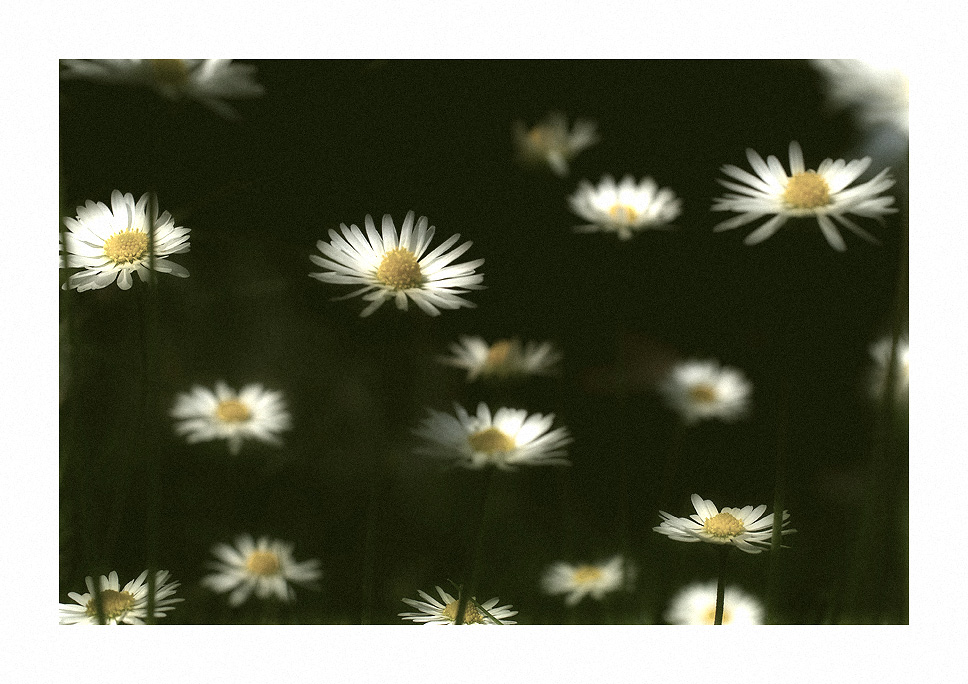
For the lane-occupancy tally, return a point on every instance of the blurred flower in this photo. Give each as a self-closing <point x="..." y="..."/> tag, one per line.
<point x="626" y="208"/>
<point x="698" y="390"/>
<point x="509" y="439"/>
<point x="696" y="605"/>
<point x="128" y="605"/>
<point x="388" y="267"/>
<point x="502" y="360"/>
<point x="881" y="352"/>
<point x="822" y="194"/>
<point x="253" y="413"/>
<point x="444" y="612"/>
<point x="111" y="243"/>
<point x="550" y="142"/>
<point x="741" y="527"/>
<point x="210" y="81"/>
<point x="877" y="92"/>
<point x="265" y="567"/>
<point x="578" y="581"/>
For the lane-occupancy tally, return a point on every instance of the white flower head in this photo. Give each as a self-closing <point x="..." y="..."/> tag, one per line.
<point x="696" y="605"/>
<point x="876" y="92"/>
<point x="822" y="194"/>
<point x="881" y="353"/>
<point x="252" y="413"/>
<point x="444" y="611"/>
<point x="210" y="81"/>
<point x="579" y="581"/>
<point x="508" y="438"/>
<point x="624" y="209"/>
<point x="745" y="528"/>
<point x="265" y="567"/>
<point x="111" y="243"/>
<point x="119" y="606"/>
<point x="502" y="360"/>
<point x="397" y="268"/>
<point x="700" y="390"/>
<point x="551" y="143"/>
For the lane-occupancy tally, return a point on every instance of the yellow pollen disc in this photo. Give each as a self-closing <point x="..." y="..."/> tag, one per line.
<point x="498" y="353"/>
<point x="399" y="269"/>
<point x="126" y="247"/>
<point x="709" y="618"/>
<point x="232" y="411"/>
<point x="587" y="574"/>
<point x="490" y="441"/>
<point x="114" y="604"/>
<point x="807" y="190"/>
<point x="263" y="563"/>
<point x="173" y="72"/>
<point x="724" y="526"/>
<point x="702" y="393"/>
<point x="471" y="615"/>
<point x="623" y="213"/>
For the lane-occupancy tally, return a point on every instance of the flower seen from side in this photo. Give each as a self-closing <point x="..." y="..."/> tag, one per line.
<point x="876" y="92"/>
<point x="700" y="390"/>
<point x="578" y="581"/>
<point x="128" y="605"/>
<point x="502" y="360"/>
<point x="881" y="353"/>
<point x="551" y="143"/>
<point x="745" y="528"/>
<point x="430" y="611"/>
<point x="695" y="604"/>
<point x="626" y="208"/>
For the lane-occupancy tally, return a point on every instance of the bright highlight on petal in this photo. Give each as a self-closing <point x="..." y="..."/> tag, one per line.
<point x="881" y="353"/>
<point x="127" y="605"/>
<point x="444" y="611"/>
<point x="624" y="209"/>
<point x="745" y="528"/>
<point x="876" y="92"/>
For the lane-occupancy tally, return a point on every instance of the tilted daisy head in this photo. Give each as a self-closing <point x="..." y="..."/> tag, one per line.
<point x="699" y="390"/>
<point x="265" y="568"/>
<point x="881" y="353"/>
<point x="551" y="143"/>
<point x="626" y="208"/>
<point x="391" y="267"/>
<point x="108" y="244"/>
<point x="252" y="413"/>
<point x="128" y="605"/>
<point x="508" y="438"/>
<point x="590" y="579"/>
<point x="822" y="194"/>
<point x="503" y="360"/>
<point x="444" y="612"/>
<point x="696" y="605"/>
<point x="877" y="92"/>
<point x="745" y="528"/>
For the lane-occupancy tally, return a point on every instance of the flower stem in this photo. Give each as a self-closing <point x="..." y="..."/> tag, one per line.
<point x="151" y="391"/>
<point x="721" y="584"/>
<point x="475" y="564"/>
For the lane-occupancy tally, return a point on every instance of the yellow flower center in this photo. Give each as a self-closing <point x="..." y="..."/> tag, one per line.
<point x="399" y="269"/>
<point x="807" y="190"/>
<point x="702" y="393"/>
<point x="623" y="213"/>
<point x="490" y="441"/>
<point x="472" y="616"/>
<point x="232" y="411"/>
<point x="724" y="525"/>
<point x="126" y="247"/>
<point x="264" y="563"/>
<point x="114" y="604"/>
<point x="498" y="353"/>
<point x="587" y="574"/>
<point x="709" y="617"/>
<point x="172" y="72"/>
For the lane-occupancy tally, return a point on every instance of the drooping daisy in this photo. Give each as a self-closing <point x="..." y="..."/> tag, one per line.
<point x="822" y="194"/>
<point x="626" y="208"/>
<point x="881" y="353"/>
<point x="444" y="612"/>
<point x="696" y="605"/>
<point x="127" y="606"/>
<point x="699" y="390"/>
<point x="252" y="413"/>
<point x="210" y="81"/>
<point x="503" y="359"/>
<point x="741" y="527"/>
<point x="396" y="268"/>
<point x="877" y="92"/>
<point x="109" y="244"/>
<point x="265" y="567"/>
<point x="550" y="142"/>
<point x="579" y="581"/>
<point x="507" y="439"/>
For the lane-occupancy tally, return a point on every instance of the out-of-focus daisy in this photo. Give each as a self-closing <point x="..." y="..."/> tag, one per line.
<point x="822" y="194"/>
<point x="444" y="611"/>
<point x="210" y="81"/>
<point x="626" y="208"/>
<point x="698" y="390"/>
<point x="111" y="243"/>
<point x="503" y="359"/>
<point x="550" y="142"/>
<point x="265" y="567"/>
<point x="128" y="605"/>
<point x="742" y="527"/>
<point x="395" y="268"/>
<point x="881" y="353"/>
<point x="507" y="439"/>
<point x="252" y="413"/>
<point x="877" y="92"/>
<point x="696" y="605"/>
<point x="579" y="581"/>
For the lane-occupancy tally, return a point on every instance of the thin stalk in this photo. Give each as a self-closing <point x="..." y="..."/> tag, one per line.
<point x="776" y="539"/>
<point x="151" y="391"/>
<point x="477" y="550"/>
<point x="721" y="584"/>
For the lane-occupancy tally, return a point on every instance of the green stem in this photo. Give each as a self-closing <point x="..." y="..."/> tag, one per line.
<point x="151" y="407"/>
<point x="721" y="584"/>
<point x="476" y="553"/>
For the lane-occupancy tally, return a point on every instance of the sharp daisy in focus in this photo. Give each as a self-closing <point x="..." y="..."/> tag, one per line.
<point x="576" y="582"/>
<point x="700" y="390"/>
<point x="626" y="208"/>
<point x="745" y="528"/>
<point x="115" y="605"/>
<point x="551" y="143"/>
<point x="695" y="604"/>
<point x="504" y="359"/>
<point x="432" y="611"/>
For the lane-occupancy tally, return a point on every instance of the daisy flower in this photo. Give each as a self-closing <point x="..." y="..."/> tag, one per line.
<point x="877" y="92"/>
<point x="881" y="353"/>
<point x="741" y="527"/>
<point x="822" y="194"/>
<point x="395" y="268"/>
<point x="696" y="605"/>
<point x="265" y="567"/>
<point x="110" y="244"/>
<point x="579" y="581"/>
<point x="698" y="390"/>
<point x="507" y="439"/>
<point x="444" y="612"/>
<point x="127" y="606"/>
<point x="550" y="142"/>
<point x="626" y="208"/>
<point x="252" y="413"/>
<point x="210" y="81"/>
<point x="502" y="360"/>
